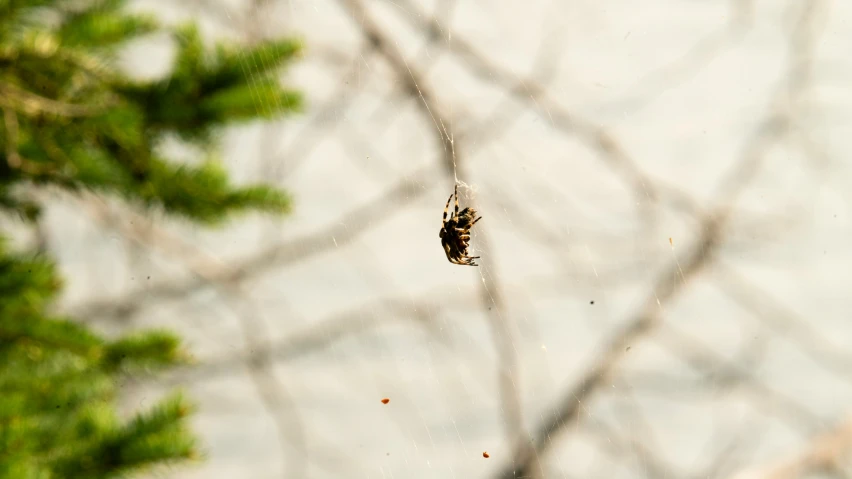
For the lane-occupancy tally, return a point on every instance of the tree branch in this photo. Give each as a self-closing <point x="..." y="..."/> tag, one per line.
<point x="822" y="454"/>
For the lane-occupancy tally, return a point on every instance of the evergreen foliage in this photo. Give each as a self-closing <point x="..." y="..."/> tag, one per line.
<point x="72" y="119"/>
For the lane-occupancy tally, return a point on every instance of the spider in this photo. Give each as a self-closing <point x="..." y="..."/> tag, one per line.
<point x="455" y="232"/>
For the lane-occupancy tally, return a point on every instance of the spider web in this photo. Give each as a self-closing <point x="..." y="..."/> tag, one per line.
<point x="639" y="310"/>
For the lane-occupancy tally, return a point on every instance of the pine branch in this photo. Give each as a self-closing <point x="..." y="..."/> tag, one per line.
<point x="73" y="120"/>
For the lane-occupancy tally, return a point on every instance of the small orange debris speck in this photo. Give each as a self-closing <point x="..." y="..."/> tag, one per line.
<point x="670" y="242"/>
<point x="385" y="401"/>
<point x="485" y="455"/>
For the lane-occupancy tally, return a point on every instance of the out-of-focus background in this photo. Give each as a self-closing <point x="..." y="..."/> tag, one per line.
<point x="665" y="273"/>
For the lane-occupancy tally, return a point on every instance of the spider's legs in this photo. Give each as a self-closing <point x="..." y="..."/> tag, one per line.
<point x="448" y="252"/>
<point x="456" y="192"/>
<point x="474" y="221"/>
<point x="447" y="208"/>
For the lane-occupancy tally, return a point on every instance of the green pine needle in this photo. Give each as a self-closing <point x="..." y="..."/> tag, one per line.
<point x="71" y="119"/>
<point x="149" y="349"/>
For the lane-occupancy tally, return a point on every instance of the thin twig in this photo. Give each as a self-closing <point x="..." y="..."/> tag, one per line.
<point x="618" y="444"/>
<point x="13" y="159"/>
<point x="823" y="453"/>
<point x="783" y="321"/>
<point x="720" y="373"/>
<point x="33" y="105"/>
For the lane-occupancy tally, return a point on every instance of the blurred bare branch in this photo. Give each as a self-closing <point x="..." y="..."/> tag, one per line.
<point x="784" y="322"/>
<point x="822" y="454"/>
